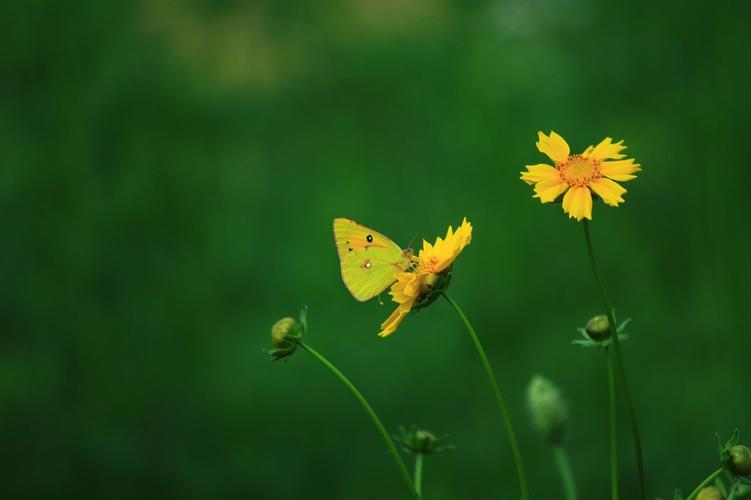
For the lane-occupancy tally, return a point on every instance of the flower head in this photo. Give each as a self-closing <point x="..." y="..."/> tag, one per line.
<point x="286" y="334"/>
<point x="597" y="332"/>
<point x="740" y="460"/>
<point x="548" y="409"/>
<point x="594" y="170"/>
<point x="430" y="275"/>
<point x="598" y="328"/>
<point x="416" y="440"/>
<point x="710" y="493"/>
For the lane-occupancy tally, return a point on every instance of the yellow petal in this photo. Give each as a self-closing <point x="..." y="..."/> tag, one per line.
<point x="607" y="149"/>
<point x="578" y="203"/>
<point x="466" y="232"/>
<point x="406" y="288"/>
<point x="609" y="191"/>
<point x="549" y="190"/>
<point x="392" y="322"/>
<point x="537" y="173"/>
<point x="435" y="258"/>
<point x="620" y="170"/>
<point x="554" y="146"/>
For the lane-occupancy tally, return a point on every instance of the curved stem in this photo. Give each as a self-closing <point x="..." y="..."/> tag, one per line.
<point x="613" y="428"/>
<point x="619" y="363"/>
<point x="376" y="421"/>
<point x="564" y="467"/>
<point x="704" y="483"/>
<point x="498" y="398"/>
<point x="418" y="473"/>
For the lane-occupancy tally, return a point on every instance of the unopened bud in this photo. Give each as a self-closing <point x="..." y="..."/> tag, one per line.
<point x="548" y="409"/>
<point x="416" y="440"/>
<point x="739" y="462"/>
<point x="598" y="328"/>
<point x="280" y="331"/>
<point x="284" y="336"/>
<point x="710" y="493"/>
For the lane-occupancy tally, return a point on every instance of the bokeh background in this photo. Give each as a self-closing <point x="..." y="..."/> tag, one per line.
<point x="170" y="171"/>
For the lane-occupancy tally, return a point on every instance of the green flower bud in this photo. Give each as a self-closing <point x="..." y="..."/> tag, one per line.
<point x="739" y="462"/>
<point x="280" y="331"/>
<point x="284" y="337"/>
<point x="598" y="328"/>
<point x="710" y="493"/>
<point x="424" y="441"/>
<point x="548" y="409"/>
<point x="416" y="440"/>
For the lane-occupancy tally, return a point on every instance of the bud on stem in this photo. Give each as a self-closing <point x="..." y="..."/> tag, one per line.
<point x="548" y="409"/>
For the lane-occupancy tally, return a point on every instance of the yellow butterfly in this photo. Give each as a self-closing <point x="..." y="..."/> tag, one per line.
<point x="369" y="260"/>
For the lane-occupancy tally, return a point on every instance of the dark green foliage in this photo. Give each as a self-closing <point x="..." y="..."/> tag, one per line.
<point x="169" y="176"/>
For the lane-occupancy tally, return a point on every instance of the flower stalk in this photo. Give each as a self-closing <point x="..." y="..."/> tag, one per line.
<point x="613" y="426"/>
<point x="619" y="363"/>
<point x="373" y="417"/>
<point x="705" y="483"/>
<point x="567" y="476"/>
<point x="500" y="402"/>
<point x="418" y="473"/>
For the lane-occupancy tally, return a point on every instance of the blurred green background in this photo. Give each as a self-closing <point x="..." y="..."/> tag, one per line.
<point x="170" y="171"/>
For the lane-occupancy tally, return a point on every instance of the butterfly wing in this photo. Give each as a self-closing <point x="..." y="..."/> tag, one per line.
<point x="369" y="260"/>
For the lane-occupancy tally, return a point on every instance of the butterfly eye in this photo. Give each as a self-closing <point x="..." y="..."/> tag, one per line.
<point x="369" y="238"/>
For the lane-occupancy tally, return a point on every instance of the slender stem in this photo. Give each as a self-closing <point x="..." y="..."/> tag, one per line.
<point x="704" y="483"/>
<point x="619" y="363"/>
<point x="498" y="398"/>
<point x="613" y="428"/>
<point x="418" y="473"/>
<point x="376" y="421"/>
<point x="564" y="467"/>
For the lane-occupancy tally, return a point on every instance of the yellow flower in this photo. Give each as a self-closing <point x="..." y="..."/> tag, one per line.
<point x="431" y="261"/>
<point x="578" y="175"/>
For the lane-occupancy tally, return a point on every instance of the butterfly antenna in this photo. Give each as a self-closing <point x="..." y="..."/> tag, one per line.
<point x="417" y="233"/>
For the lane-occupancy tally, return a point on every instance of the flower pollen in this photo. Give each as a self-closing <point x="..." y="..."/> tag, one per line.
<point x="578" y="171"/>
<point x="430" y="264"/>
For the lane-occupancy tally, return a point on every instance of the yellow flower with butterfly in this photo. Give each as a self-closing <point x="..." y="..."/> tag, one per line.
<point x="371" y="262"/>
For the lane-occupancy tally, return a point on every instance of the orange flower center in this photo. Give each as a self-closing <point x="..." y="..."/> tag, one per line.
<point x="430" y="264"/>
<point x="578" y="171"/>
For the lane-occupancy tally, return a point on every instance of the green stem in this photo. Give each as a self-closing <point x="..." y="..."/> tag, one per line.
<point x="619" y="363"/>
<point x="704" y="483"/>
<point x="498" y="398"/>
<point x="564" y="467"/>
<point x="376" y="421"/>
<point x="418" y="473"/>
<point x="613" y="428"/>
